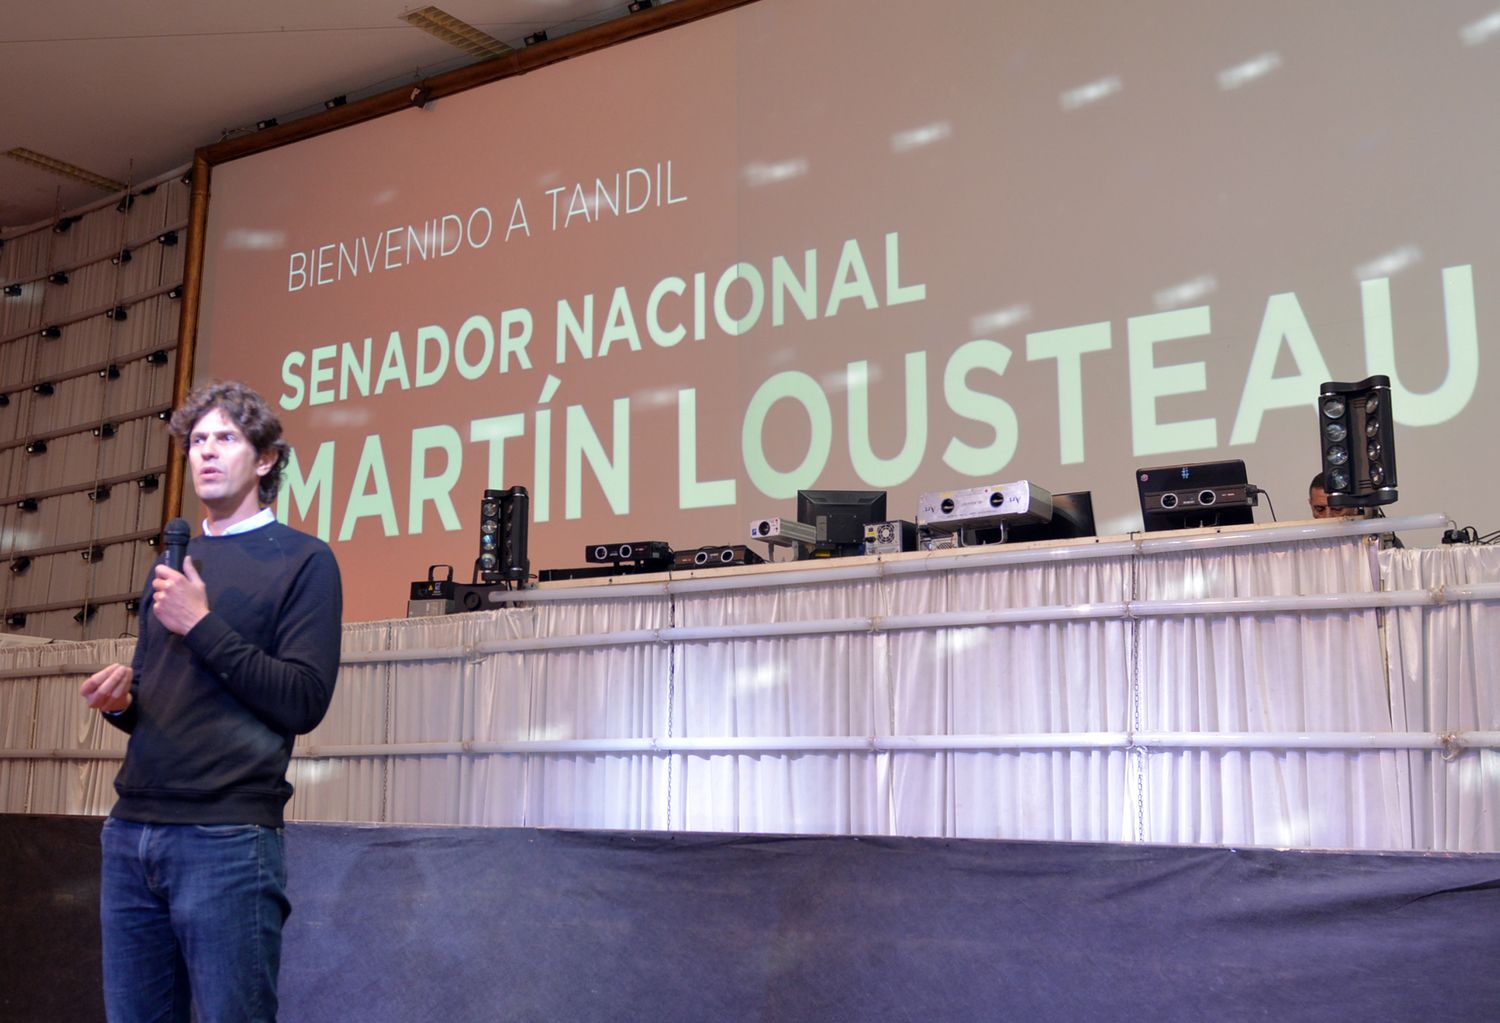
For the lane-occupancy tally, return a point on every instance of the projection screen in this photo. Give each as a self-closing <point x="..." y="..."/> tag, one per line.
<point x="867" y="245"/>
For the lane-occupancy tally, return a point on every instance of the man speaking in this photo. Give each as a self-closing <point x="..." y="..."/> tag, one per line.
<point x="237" y="654"/>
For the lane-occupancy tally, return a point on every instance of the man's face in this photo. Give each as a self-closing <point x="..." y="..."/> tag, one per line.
<point x="1317" y="497"/>
<point x="226" y="469"/>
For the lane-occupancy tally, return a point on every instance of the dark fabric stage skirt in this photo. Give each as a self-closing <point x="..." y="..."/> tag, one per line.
<point x="406" y="924"/>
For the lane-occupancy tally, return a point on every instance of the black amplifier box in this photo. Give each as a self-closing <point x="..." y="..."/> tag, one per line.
<point x="639" y="552"/>
<point x="563" y="575"/>
<point x="716" y="557"/>
<point x="457" y="597"/>
<point x="1190" y="496"/>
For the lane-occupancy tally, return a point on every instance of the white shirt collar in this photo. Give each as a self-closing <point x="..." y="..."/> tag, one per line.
<point x="264" y="517"/>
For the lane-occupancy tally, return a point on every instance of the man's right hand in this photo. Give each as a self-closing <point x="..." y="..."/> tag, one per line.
<point x="108" y="690"/>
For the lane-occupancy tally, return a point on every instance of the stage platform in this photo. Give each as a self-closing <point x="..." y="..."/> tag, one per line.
<point x="403" y="924"/>
<point x="1287" y="685"/>
<point x="1068" y="781"/>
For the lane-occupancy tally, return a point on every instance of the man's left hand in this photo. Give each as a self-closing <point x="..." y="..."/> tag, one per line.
<point x="179" y="600"/>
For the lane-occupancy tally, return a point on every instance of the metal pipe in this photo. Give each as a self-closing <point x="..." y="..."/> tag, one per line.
<point x="1261" y="741"/>
<point x="1150" y="741"/>
<point x="1332" y="603"/>
<point x="1003" y="616"/>
<point x="1229" y="606"/>
<point x="582" y="641"/>
<point x="355" y="657"/>
<point x="50" y="670"/>
<point x="1291" y="533"/>
<point x="1472" y="591"/>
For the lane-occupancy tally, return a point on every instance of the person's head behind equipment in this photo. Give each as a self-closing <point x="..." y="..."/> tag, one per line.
<point x="250" y="413"/>
<point x="1317" y="500"/>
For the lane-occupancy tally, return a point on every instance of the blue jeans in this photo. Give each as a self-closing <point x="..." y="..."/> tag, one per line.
<point x="191" y="915"/>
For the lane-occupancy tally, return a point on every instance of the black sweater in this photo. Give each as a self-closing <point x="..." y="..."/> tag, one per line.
<point x="214" y="712"/>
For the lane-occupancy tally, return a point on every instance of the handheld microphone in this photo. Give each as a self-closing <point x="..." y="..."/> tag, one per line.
<point x="174" y="541"/>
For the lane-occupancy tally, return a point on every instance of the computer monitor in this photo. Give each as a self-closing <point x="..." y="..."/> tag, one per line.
<point x="840" y="517"/>
<point x="1072" y="519"/>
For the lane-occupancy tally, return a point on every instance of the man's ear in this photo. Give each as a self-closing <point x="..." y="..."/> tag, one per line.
<point x="264" y="463"/>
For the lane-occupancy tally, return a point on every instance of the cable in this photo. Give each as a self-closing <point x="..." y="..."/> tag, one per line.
<point x="1469" y="535"/>
<point x="1253" y="489"/>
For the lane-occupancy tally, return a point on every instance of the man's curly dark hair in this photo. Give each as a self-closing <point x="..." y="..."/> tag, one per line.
<point x="249" y="412"/>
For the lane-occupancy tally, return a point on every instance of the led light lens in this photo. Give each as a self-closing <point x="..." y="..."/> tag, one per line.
<point x="1377" y="475"/>
<point x="1333" y="408"/>
<point x="1338" y="479"/>
<point x="1335" y="432"/>
<point x="1337" y="455"/>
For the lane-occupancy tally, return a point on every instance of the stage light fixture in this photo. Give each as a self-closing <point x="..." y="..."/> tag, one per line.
<point x="269" y="122"/>
<point x="28" y="504"/>
<point x="637" y="6"/>
<point x="117" y="313"/>
<point x="167" y="237"/>
<point x="12" y="291"/>
<point x="64" y="224"/>
<point x="120" y="258"/>
<point x="57" y="277"/>
<point x="104" y="430"/>
<point x="337" y="101"/>
<point x="164" y="415"/>
<point x="535" y="37"/>
<point x="99" y="493"/>
<point x="15" y="620"/>
<point x="1356" y="436"/>
<point x="93" y="554"/>
<point x="420" y="96"/>
<point x="85" y="614"/>
<point x="4" y="400"/>
<point x="503" y="521"/>
<point x="45" y="389"/>
<point x="124" y="204"/>
<point x="154" y="540"/>
<point x="19" y="564"/>
<point x="132" y="605"/>
<point x="110" y="372"/>
<point x="51" y="333"/>
<point x="37" y="447"/>
<point x="148" y="190"/>
<point x="489" y="536"/>
<point x="175" y="293"/>
<point x="148" y="482"/>
<point x="158" y="357"/>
